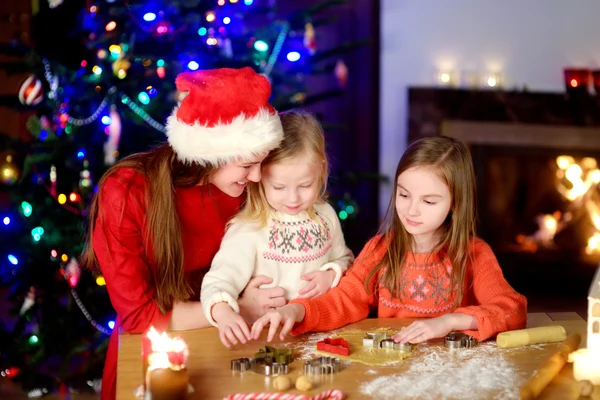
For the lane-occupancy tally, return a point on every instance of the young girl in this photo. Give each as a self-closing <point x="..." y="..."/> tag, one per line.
<point x="427" y="262"/>
<point x="159" y="216"/>
<point x="285" y="231"/>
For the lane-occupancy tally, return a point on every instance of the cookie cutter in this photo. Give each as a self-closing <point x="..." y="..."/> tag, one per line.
<point x="322" y="366"/>
<point x="280" y="356"/>
<point x="240" y="364"/>
<point x="373" y="339"/>
<point x="458" y="340"/>
<point x="334" y="346"/>
<point x="390" y="344"/>
<point x="262" y="365"/>
<point x="266" y="366"/>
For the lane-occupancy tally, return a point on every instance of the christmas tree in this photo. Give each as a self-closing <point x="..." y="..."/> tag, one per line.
<point x="104" y="96"/>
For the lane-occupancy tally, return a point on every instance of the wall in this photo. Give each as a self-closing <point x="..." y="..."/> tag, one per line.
<point x="528" y="42"/>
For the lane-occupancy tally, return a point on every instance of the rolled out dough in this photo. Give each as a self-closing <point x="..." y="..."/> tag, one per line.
<point x="367" y="355"/>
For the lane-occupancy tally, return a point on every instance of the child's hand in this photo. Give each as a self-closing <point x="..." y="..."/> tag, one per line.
<point x="421" y="331"/>
<point x="319" y="282"/>
<point x="287" y="316"/>
<point x="231" y="324"/>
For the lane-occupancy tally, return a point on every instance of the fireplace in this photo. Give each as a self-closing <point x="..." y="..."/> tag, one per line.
<point x="537" y="163"/>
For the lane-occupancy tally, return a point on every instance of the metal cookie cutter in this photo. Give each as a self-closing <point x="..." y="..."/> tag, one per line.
<point x="266" y="366"/>
<point x="240" y="364"/>
<point x="373" y="339"/>
<point x="457" y="340"/>
<point x="322" y="366"/>
<point x="390" y="344"/>
<point x="280" y="356"/>
<point x="263" y="366"/>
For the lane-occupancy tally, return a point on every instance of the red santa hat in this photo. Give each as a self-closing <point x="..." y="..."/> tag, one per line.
<point x="225" y="116"/>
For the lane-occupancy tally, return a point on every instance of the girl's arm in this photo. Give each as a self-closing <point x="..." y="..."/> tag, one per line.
<point x="340" y="256"/>
<point x="231" y="270"/>
<point x="119" y="246"/>
<point x="349" y="301"/>
<point x="494" y="304"/>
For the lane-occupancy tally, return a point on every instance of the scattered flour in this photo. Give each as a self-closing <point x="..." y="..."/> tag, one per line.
<point x="307" y="348"/>
<point x="434" y="372"/>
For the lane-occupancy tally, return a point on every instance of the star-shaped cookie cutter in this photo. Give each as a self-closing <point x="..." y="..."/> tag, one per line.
<point x="457" y="340"/>
<point x="279" y="356"/>
<point x="334" y="346"/>
<point x="322" y="366"/>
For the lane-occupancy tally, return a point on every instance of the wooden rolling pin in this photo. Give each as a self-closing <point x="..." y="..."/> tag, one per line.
<point x="524" y="337"/>
<point x="550" y="368"/>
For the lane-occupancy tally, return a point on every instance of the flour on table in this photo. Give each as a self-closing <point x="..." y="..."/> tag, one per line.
<point x="435" y="372"/>
<point x="307" y="347"/>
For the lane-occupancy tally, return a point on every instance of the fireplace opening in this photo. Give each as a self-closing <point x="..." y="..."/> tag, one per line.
<point x="539" y="209"/>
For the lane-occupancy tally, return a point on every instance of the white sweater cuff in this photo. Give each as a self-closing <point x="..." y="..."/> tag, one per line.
<point x="338" y="272"/>
<point x="221" y="297"/>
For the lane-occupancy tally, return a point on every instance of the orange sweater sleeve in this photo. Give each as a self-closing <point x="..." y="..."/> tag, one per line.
<point x="489" y="297"/>
<point x="349" y="301"/>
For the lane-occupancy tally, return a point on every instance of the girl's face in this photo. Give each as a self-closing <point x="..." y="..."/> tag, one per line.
<point x="292" y="186"/>
<point x="423" y="202"/>
<point x="232" y="178"/>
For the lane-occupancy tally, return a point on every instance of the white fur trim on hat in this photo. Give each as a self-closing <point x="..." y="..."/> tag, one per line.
<point x="243" y="138"/>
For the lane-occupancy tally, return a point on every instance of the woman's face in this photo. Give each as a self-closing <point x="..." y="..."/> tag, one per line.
<point x="232" y="178"/>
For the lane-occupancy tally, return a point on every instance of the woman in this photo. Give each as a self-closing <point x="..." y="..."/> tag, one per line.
<point x="159" y="217"/>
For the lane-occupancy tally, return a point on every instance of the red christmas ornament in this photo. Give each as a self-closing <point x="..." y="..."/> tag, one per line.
<point x="341" y="73"/>
<point x="31" y="92"/>
<point x="73" y="273"/>
<point x="10" y="372"/>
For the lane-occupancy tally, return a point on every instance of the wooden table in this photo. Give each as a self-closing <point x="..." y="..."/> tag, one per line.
<point x="212" y="378"/>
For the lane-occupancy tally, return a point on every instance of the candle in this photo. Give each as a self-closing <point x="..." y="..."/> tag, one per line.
<point x="165" y="366"/>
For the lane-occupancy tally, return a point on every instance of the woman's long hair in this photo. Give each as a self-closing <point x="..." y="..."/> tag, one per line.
<point x="451" y="160"/>
<point x="163" y="171"/>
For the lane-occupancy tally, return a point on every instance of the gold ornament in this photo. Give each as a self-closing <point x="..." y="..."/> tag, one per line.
<point x="9" y="173"/>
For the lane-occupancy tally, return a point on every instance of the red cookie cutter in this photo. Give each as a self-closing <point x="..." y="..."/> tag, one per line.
<point x="334" y="346"/>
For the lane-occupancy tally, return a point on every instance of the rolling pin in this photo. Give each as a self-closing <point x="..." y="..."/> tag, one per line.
<point x="550" y="368"/>
<point x="524" y="337"/>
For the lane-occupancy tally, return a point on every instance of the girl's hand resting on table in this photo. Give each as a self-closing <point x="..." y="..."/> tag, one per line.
<point x="232" y="327"/>
<point x="421" y="331"/>
<point x="285" y="317"/>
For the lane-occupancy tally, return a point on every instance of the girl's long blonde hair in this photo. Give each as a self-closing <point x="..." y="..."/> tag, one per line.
<point x="302" y="134"/>
<point x="452" y="162"/>
<point x="163" y="171"/>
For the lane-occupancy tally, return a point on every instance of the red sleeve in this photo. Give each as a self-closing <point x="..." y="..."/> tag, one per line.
<point x="490" y="298"/>
<point x="118" y="243"/>
<point x="349" y="301"/>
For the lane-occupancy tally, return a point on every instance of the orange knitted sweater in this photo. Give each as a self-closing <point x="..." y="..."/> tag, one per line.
<point x="425" y="292"/>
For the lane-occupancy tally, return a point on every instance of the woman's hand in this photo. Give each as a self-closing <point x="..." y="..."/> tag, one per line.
<point x="319" y="282"/>
<point x="232" y="326"/>
<point x="255" y="302"/>
<point x="285" y="317"/>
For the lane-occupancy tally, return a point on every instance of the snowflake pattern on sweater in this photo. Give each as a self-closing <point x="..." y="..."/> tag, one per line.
<point x="298" y="241"/>
<point x="423" y="288"/>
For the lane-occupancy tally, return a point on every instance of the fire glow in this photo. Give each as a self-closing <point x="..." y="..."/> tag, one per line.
<point x="576" y="182"/>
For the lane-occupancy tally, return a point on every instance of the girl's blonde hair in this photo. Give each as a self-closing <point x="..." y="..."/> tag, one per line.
<point x="451" y="160"/>
<point x="302" y="135"/>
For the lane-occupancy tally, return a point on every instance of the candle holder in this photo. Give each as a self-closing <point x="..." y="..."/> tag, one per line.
<point x="577" y="80"/>
<point x="164" y="366"/>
